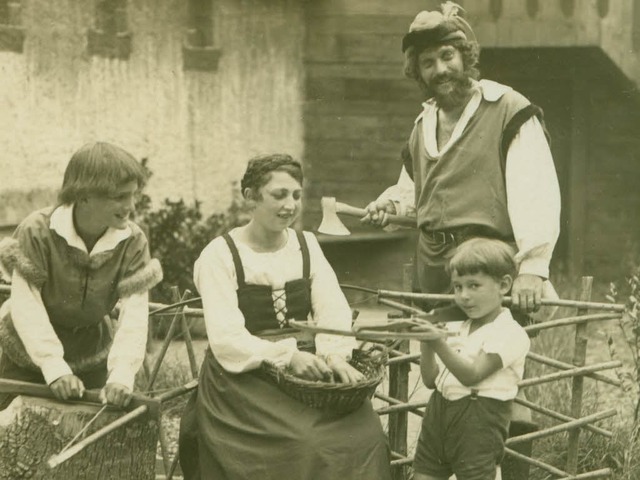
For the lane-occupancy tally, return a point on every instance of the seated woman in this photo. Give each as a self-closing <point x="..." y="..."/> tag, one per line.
<point x="69" y="265"/>
<point x="251" y="280"/>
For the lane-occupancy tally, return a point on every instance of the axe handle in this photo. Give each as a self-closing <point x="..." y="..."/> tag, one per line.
<point x="361" y="212"/>
<point x="18" y="387"/>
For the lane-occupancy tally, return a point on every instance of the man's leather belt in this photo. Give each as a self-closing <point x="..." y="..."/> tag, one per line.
<point x="455" y="236"/>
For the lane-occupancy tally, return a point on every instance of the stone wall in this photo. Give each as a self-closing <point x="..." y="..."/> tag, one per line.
<point x="198" y="128"/>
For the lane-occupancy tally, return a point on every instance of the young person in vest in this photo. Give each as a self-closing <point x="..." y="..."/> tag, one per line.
<point x="69" y="266"/>
<point x="477" y="163"/>
<point x="252" y="281"/>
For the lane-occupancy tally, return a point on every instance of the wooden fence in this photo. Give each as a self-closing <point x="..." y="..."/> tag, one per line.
<point x="578" y="370"/>
<point x="399" y="405"/>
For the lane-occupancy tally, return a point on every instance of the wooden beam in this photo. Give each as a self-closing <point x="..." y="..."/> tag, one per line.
<point x="602" y="473"/>
<point x="567" y="366"/>
<point x="572" y="426"/>
<point x="578" y="372"/>
<point x="578" y="173"/>
<point x="560" y="416"/>
<point x="577" y="385"/>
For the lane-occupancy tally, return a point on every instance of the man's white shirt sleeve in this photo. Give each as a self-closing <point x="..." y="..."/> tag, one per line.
<point x="533" y="198"/>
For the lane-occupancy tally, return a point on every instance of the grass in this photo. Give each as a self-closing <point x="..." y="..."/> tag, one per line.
<point x="621" y="453"/>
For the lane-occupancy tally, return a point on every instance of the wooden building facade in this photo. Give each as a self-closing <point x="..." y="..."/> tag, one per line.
<point x="200" y="86"/>
<point x="579" y="61"/>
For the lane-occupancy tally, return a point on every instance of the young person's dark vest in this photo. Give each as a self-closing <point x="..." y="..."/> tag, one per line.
<point x="256" y="301"/>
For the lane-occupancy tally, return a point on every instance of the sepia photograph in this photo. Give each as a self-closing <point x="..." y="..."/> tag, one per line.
<point x="319" y="239"/>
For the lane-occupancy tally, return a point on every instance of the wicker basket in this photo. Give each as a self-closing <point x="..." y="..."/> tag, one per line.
<point x="337" y="397"/>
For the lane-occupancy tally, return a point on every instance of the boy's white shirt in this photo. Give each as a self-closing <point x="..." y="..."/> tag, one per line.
<point x="504" y="337"/>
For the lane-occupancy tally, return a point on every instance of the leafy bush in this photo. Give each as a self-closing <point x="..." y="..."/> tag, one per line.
<point x="620" y="453"/>
<point x="178" y="232"/>
<point x="629" y="330"/>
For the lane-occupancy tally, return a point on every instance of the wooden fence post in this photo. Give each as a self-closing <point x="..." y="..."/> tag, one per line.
<point x="579" y="358"/>
<point x="399" y="389"/>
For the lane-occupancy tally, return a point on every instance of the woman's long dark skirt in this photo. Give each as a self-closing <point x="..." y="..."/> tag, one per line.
<point x="248" y="428"/>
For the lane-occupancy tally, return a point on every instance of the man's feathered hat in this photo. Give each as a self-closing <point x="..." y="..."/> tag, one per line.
<point x="433" y="28"/>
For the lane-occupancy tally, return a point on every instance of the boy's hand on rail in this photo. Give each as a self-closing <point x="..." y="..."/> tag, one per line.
<point x="67" y="387"/>
<point x="116" y="394"/>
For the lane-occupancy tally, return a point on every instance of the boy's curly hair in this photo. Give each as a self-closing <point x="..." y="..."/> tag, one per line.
<point x="484" y="255"/>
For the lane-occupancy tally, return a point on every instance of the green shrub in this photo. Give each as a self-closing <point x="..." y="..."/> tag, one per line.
<point x="629" y="331"/>
<point x="178" y="232"/>
<point x="620" y="453"/>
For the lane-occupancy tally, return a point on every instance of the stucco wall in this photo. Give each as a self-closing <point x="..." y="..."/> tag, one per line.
<point x="197" y="128"/>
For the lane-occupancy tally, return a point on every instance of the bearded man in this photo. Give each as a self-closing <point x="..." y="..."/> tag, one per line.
<point x="477" y="163"/>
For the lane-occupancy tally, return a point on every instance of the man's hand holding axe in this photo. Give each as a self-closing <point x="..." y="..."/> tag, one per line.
<point x="380" y="212"/>
<point x="372" y="214"/>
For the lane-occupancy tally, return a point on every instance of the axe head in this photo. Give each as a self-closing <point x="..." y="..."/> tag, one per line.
<point x="331" y="224"/>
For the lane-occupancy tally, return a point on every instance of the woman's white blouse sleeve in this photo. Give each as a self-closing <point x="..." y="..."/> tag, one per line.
<point x="329" y="305"/>
<point x="232" y="344"/>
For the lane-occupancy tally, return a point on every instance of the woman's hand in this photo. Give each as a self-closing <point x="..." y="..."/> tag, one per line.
<point x="310" y="367"/>
<point x="344" y="372"/>
<point x="67" y="387"/>
<point x="115" y="394"/>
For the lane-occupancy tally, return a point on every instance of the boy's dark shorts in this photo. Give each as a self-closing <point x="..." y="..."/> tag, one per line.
<point x="464" y="436"/>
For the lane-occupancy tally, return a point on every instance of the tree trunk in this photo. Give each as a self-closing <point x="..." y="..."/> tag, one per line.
<point x="34" y="429"/>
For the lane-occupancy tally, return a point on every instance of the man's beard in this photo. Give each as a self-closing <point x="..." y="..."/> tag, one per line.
<point x="457" y="96"/>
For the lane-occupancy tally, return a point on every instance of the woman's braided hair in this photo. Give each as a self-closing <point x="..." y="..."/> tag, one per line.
<point x="259" y="170"/>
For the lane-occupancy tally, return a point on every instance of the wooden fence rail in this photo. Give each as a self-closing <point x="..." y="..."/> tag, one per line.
<point x="401" y="361"/>
<point x="576" y="371"/>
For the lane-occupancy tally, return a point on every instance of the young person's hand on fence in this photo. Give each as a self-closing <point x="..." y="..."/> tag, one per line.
<point x="67" y="387"/>
<point x="115" y="394"/>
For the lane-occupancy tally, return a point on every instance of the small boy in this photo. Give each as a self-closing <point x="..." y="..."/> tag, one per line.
<point x="474" y="375"/>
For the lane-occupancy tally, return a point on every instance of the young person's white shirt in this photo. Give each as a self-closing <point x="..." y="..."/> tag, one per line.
<point x="504" y="337"/>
